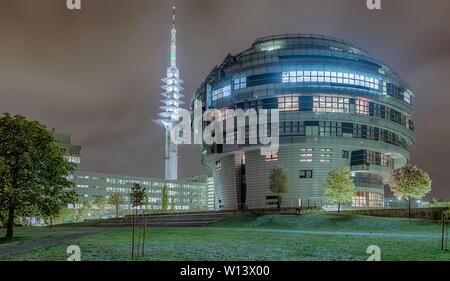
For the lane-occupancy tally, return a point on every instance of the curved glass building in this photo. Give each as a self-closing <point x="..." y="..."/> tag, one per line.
<point x="338" y="106"/>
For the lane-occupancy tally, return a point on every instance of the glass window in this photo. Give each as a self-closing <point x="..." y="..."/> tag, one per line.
<point x="330" y="104"/>
<point x="304" y="174"/>
<point x="288" y="103"/>
<point x="218" y="165"/>
<point x="362" y="106"/>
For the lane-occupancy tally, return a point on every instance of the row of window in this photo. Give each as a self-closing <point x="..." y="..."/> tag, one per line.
<point x="368" y="180"/>
<point x="367" y="157"/>
<point x="334" y="77"/>
<point x="221" y="93"/>
<point x="368" y="199"/>
<point x="339" y="129"/>
<point x="72" y="159"/>
<point x="330" y="103"/>
<point x="316" y="77"/>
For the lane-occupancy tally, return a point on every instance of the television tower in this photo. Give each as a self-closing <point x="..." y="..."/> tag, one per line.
<point x="172" y="100"/>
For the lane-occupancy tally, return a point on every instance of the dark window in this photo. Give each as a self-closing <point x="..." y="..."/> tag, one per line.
<point x="306" y="174"/>
<point x="345" y="154"/>
<point x="347" y="128"/>
<point x="271" y="103"/>
<point x="263" y="79"/>
<point x="306" y="103"/>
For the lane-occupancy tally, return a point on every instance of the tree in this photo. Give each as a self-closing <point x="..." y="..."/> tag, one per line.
<point x="116" y="199"/>
<point x="52" y="204"/>
<point x="278" y="184"/>
<point x="439" y="203"/>
<point x="172" y="204"/>
<point x="137" y="196"/>
<point x="410" y="182"/>
<point x="66" y="215"/>
<point x="137" y="199"/>
<point x="164" y="198"/>
<point x="100" y="203"/>
<point x="33" y="171"/>
<point x="339" y="187"/>
<point x="85" y="210"/>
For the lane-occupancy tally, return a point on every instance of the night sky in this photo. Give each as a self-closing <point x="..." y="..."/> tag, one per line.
<point x="95" y="73"/>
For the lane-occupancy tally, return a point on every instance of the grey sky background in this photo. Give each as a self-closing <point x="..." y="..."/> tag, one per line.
<point x="95" y="73"/>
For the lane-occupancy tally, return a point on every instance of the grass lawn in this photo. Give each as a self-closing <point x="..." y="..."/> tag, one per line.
<point x="332" y="222"/>
<point x="252" y="242"/>
<point x="26" y="234"/>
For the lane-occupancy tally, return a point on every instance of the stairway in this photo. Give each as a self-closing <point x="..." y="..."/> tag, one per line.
<point x="169" y="220"/>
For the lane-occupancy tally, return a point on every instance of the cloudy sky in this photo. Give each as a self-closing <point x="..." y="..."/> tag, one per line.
<point x="95" y="73"/>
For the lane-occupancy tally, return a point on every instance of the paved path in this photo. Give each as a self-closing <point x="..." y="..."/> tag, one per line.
<point x="47" y="241"/>
<point x="375" y="234"/>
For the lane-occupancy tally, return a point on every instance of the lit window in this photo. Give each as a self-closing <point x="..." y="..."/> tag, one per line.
<point x="306" y="155"/>
<point x="271" y="46"/>
<point x="330" y="104"/>
<point x="362" y="106"/>
<point x="359" y="200"/>
<point x="221" y="93"/>
<point x="240" y="83"/>
<point x="288" y="103"/>
<point x="326" y="76"/>
<point x="218" y="165"/>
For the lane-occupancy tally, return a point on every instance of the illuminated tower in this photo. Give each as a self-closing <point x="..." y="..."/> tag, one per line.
<point x="172" y="100"/>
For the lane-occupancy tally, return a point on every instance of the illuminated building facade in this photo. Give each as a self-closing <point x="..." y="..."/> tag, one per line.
<point x="338" y="106"/>
<point x="188" y="194"/>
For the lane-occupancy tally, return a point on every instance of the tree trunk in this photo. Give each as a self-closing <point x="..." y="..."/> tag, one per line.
<point x="117" y="211"/>
<point x="409" y="207"/>
<point x="339" y="208"/>
<point x="10" y="224"/>
<point x="143" y="238"/>
<point x="132" y="241"/>
<point x="278" y="202"/>
<point x="443" y="231"/>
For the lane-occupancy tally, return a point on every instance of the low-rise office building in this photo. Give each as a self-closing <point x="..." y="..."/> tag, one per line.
<point x="188" y="194"/>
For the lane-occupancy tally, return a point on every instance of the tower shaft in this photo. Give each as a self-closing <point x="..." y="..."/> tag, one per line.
<point x="171" y="100"/>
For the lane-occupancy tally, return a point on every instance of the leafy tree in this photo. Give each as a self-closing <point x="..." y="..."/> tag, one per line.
<point x="137" y="196"/>
<point x="85" y="210"/>
<point x="172" y="204"/>
<point x="436" y="203"/>
<point x="66" y="215"/>
<point x="278" y="184"/>
<point x="116" y="199"/>
<point x="100" y="203"/>
<point x="165" y="198"/>
<point x="410" y="182"/>
<point x="52" y="204"/>
<point x="339" y="187"/>
<point x="33" y="172"/>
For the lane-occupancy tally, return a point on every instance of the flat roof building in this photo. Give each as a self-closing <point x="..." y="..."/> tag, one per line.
<point x="189" y="194"/>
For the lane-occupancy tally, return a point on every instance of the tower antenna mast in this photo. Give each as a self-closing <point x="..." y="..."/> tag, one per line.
<point x="171" y="100"/>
